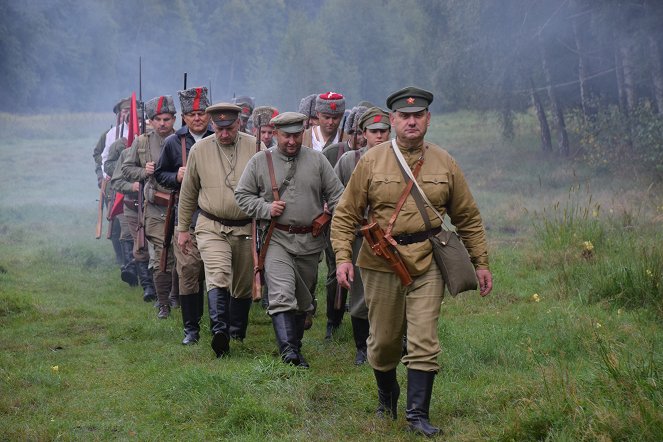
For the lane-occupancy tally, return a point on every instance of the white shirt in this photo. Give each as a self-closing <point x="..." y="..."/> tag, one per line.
<point x="318" y="141"/>
<point x="110" y="139"/>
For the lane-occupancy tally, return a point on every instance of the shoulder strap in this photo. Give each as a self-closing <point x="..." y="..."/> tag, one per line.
<point x="272" y="223"/>
<point x="417" y="188"/>
<point x="183" y="140"/>
<point x="401" y="201"/>
<point x="270" y="166"/>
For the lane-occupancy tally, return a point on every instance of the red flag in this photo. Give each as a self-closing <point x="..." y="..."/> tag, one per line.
<point x="118" y="206"/>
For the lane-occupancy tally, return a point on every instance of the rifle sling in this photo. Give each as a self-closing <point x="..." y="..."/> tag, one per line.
<point x="272" y="223"/>
<point x="183" y="141"/>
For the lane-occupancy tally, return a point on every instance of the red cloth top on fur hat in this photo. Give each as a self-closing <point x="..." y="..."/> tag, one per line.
<point x="331" y="96"/>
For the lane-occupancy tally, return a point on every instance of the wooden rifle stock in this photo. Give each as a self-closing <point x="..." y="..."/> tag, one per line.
<point x="100" y="209"/>
<point x="140" y="230"/>
<point x="256" y="286"/>
<point x="380" y="246"/>
<point x="168" y="231"/>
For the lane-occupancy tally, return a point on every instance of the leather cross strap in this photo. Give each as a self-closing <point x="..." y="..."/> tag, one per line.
<point x="182" y="139"/>
<point x="401" y="201"/>
<point x="272" y="223"/>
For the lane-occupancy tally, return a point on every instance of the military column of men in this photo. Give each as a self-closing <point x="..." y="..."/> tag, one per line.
<point x="224" y="183"/>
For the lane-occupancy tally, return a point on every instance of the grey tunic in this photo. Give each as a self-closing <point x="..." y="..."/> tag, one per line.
<point x="314" y="183"/>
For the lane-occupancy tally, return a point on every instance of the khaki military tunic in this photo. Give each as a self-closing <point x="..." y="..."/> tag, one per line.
<point x="378" y="183"/>
<point x="212" y="173"/>
<point x="292" y="258"/>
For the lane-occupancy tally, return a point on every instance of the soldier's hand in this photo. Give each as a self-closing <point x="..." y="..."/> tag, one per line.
<point x="277" y="208"/>
<point x="135" y="187"/>
<point x="345" y="274"/>
<point x="149" y="168"/>
<point x="184" y="242"/>
<point x="485" y="281"/>
<point x="180" y="174"/>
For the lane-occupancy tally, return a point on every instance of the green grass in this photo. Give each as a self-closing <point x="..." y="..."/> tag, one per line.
<point x="83" y="358"/>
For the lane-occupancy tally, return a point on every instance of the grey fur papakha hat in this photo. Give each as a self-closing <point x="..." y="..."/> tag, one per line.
<point x="352" y="122"/>
<point x="262" y="115"/>
<point x="307" y="105"/>
<point x="193" y="99"/>
<point x="330" y="103"/>
<point x="163" y="104"/>
<point x="289" y="122"/>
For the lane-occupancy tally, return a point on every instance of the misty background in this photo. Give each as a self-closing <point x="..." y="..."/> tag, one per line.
<point x="72" y="56"/>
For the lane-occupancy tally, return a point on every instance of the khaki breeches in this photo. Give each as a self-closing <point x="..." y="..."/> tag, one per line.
<point x="290" y="279"/>
<point x="189" y="267"/>
<point x="227" y="258"/>
<point x="393" y="309"/>
<point x="131" y="217"/>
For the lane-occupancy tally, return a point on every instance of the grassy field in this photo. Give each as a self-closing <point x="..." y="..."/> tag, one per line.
<point x="567" y="347"/>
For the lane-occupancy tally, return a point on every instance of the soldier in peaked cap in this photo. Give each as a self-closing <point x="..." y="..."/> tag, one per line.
<point x="139" y="165"/>
<point x="329" y="108"/>
<point x="307" y="107"/>
<point x="262" y="116"/>
<point x="333" y="152"/>
<point x="376" y="184"/>
<point x="306" y="182"/>
<point x="169" y="173"/>
<point x="375" y="126"/>
<point x="223" y="230"/>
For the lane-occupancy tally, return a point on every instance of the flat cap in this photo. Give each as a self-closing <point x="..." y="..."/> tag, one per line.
<point x="410" y="99"/>
<point x="290" y="122"/>
<point x="124" y="103"/>
<point x="224" y="114"/>
<point x="374" y="118"/>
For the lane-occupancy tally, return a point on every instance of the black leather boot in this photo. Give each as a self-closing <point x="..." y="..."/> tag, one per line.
<point x="285" y="329"/>
<point x="128" y="272"/>
<point x="239" y="317"/>
<point x="360" y="332"/>
<point x="174" y="296"/>
<point x="116" y="231"/>
<point x="146" y="281"/>
<point x="219" y="318"/>
<point x="419" y="391"/>
<point x="300" y="323"/>
<point x="388" y="392"/>
<point x="190" y="318"/>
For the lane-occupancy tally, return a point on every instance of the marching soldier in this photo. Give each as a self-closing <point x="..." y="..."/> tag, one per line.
<point x="139" y="166"/>
<point x="375" y="126"/>
<point x="329" y="108"/>
<point x="305" y="180"/>
<point x="261" y="117"/>
<point x="223" y="230"/>
<point x="333" y="153"/>
<point x="307" y="107"/>
<point x="169" y="173"/>
<point x="376" y="185"/>
<point x="247" y="104"/>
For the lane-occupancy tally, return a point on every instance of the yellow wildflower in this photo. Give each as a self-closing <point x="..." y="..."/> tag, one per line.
<point x="55" y="368"/>
<point x="536" y="297"/>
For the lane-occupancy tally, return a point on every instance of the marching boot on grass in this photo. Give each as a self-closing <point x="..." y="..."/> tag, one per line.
<point x="388" y="392"/>
<point x="300" y="322"/>
<point x="128" y="271"/>
<point x="192" y="311"/>
<point x="360" y="330"/>
<point x="285" y="329"/>
<point x="146" y="281"/>
<point x="162" y="283"/>
<point x="174" y="296"/>
<point x="239" y="317"/>
<point x="419" y="391"/>
<point x="219" y="318"/>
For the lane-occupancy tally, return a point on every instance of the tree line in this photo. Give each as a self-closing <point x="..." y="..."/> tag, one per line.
<point x="578" y="60"/>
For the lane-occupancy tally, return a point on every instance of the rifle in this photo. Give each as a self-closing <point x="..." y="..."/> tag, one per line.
<point x="256" y="287"/>
<point x="140" y="230"/>
<point x="310" y="110"/>
<point x="185" y="74"/>
<point x="169" y="225"/>
<point x="100" y="208"/>
<point x="374" y="235"/>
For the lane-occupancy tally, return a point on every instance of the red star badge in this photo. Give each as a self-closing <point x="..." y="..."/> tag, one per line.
<point x="410" y="100"/>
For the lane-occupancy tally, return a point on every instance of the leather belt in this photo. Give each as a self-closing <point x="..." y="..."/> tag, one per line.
<point x="410" y="238"/>
<point x="226" y="222"/>
<point x="130" y="203"/>
<point x="293" y="229"/>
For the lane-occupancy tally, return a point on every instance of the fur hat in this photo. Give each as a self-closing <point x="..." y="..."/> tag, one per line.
<point x="352" y="122"/>
<point x="263" y="114"/>
<point x="160" y="105"/>
<point x="307" y="105"/>
<point x="193" y="99"/>
<point x="246" y="103"/>
<point x="330" y="103"/>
